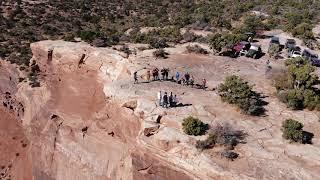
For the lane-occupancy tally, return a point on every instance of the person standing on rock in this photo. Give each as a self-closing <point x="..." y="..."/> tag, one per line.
<point x="204" y="83"/>
<point x="135" y="77"/>
<point x="187" y="78"/>
<point x="171" y="100"/>
<point x="159" y="98"/>
<point x="166" y="73"/>
<point x="148" y="75"/>
<point x="157" y="74"/>
<point x="163" y="73"/>
<point x="154" y="74"/>
<point x="165" y="100"/>
<point x="177" y="76"/>
<point x="175" y="100"/>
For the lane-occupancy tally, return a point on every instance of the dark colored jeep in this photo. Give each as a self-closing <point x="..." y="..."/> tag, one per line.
<point x="275" y="40"/>
<point x="313" y="58"/>
<point x="290" y="44"/>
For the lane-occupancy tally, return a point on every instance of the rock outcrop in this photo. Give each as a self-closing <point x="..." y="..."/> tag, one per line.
<point x="88" y="120"/>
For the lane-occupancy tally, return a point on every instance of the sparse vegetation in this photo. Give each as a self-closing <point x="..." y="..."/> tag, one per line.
<point x="296" y="87"/>
<point x="196" y="49"/>
<point x="236" y="91"/>
<point x="206" y="144"/>
<point x="193" y="126"/>
<point x="189" y="36"/>
<point x="230" y="155"/>
<point x="223" y="135"/>
<point x="160" y="53"/>
<point x="274" y="50"/>
<point x="99" y="24"/>
<point x="219" y="41"/>
<point x="158" y="43"/>
<point x="293" y="131"/>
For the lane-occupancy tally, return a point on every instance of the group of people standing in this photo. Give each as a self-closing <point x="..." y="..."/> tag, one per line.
<point x="189" y="80"/>
<point x="155" y="75"/>
<point x="165" y="100"/>
<point x="186" y="80"/>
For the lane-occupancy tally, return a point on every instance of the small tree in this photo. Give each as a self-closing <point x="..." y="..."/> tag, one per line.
<point x="292" y="130"/>
<point x="193" y="126"/>
<point x="295" y="99"/>
<point x="219" y="41"/>
<point x="296" y="86"/>
<point x="236" y="91"/>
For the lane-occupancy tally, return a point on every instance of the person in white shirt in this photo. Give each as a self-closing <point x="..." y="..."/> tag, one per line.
<point x="159" y="98"/>
<point x="175" y="100"/>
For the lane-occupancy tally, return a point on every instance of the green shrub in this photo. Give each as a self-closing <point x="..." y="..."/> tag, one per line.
<point x="251" y="106"/>
<point x="236" y="91"/>
<point x="292" y="130"/>
<point x="295" y="99"/>
<point x="171" y="34"/>
<point x="310" y="99"/>
<point x="293" y="19"/>
<point x="283" y="96"/>
<point x="284" y="81"/>
<point x="296" y="86"/>
<point x="252" y="23"/>
<point x="303" y="31"/>
<point x="219" y="41"/>
<point x="193" y="126"/>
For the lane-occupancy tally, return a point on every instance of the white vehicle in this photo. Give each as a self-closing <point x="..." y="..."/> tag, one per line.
<point x="294" y="54"/>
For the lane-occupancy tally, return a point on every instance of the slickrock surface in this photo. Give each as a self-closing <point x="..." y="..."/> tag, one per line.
<point x="89" y="121"/>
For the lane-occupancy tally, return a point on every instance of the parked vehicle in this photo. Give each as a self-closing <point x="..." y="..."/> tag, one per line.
<point x="294" y="52"/>
<point x="274" y="40"/>
<point x="240" y="47"/>
<point x="290" y="44"/>
<point x="254" y="51"/>
<point x="313" y="58"/>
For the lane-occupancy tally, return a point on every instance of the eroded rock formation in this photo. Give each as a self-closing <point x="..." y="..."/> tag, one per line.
<point x="88" y="121"/>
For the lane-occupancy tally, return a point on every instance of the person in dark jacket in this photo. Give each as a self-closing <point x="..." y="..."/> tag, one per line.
<point x="166" y="73"/>
<point x="165" y="100"/>
<point x="135" y="77"/>
<point x="163" y="73"/>
<point x="171" y="100"/>
<point x="187" y="78"/>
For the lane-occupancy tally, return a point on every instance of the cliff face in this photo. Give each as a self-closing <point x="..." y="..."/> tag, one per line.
<point x="75" y="130"/>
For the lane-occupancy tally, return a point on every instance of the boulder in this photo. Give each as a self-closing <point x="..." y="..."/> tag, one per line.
<point x="150" y="130"/>
<point x="131" y="105"/>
